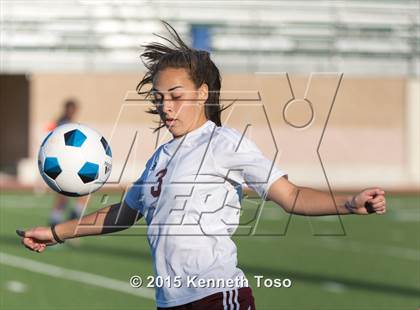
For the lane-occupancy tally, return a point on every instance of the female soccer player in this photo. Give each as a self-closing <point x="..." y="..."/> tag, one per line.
<point x="190" y="190"/>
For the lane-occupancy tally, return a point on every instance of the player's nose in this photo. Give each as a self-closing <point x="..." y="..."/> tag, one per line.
<point x="167" y="106"/>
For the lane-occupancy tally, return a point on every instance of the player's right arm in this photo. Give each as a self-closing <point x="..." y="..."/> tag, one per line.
<point x="110" y="219"/>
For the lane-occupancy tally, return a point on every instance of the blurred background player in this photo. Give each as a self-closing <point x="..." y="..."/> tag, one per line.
<point x="62" y="203"/>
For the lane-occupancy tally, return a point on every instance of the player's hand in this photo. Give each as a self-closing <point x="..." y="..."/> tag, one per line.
<point x="37" y="239"/>
<point x="371" y="200"/>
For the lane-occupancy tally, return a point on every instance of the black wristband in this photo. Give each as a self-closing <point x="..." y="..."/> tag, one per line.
<point x="55" y="235"/>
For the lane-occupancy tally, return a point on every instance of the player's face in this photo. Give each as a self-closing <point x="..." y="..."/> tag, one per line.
<point x="179" y="102"/>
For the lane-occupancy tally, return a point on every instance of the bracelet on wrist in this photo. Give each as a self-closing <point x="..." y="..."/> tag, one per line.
<point x="349" y="206"/>
<point x="55" y="236"/>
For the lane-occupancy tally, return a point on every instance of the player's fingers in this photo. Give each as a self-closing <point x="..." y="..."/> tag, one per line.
<point x="379" y="191"/>
<point x="381" y="211"/>
<point x="27" y="241"/>
<point x="376" y="199"/>
<point x="371" y="191"/>
<point x="378" y="205"/>
<point x="27" y="245"/>
<point x="379" y="208"/>
<point x="34" y="246"/>
<point x="30" y="242"/>
<point x="39" y="246"/>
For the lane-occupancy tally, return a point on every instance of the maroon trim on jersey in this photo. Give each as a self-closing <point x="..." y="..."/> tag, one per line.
<point x="234" y="299"/>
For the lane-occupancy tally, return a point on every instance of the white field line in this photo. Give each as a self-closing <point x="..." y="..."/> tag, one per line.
<point x="74" y="275"/>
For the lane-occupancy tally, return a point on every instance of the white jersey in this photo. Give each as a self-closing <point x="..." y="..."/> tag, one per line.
<point x="190" y="194"/>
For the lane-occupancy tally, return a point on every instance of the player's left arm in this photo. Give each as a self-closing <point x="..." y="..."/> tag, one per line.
<point x="307" y="201"/>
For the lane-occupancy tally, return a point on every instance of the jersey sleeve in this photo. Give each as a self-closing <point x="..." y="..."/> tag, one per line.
<point x="240" y="160"/>
<point x="134" y="197"/>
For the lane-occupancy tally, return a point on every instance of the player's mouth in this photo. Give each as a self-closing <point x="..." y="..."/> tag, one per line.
<point x="170" y="122"/>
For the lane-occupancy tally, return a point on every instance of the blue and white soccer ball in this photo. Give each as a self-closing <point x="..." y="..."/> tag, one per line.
<point x="74" y="160"/>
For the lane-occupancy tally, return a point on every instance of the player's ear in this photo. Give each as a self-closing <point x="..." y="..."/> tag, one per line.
<point x="203" y="93"/>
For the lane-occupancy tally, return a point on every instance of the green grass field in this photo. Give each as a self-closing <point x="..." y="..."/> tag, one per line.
<point x="369" y="262"/>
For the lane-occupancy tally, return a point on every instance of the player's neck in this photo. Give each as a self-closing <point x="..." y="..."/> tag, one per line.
<point x="198" y="124"/>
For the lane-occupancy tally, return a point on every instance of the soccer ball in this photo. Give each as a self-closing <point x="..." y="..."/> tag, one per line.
<point x="74" y="160"/>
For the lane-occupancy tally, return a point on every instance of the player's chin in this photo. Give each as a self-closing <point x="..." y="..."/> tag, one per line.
<point x="173" y="131"/>
<point x="176" y="131"/>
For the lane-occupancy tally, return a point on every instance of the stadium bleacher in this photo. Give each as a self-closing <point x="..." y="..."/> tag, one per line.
<point x="360" y="37"/>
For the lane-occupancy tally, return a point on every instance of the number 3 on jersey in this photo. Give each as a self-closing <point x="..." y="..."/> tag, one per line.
<point x="155" y="190"/>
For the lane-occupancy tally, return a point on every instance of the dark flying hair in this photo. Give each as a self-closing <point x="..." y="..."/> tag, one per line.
<point x="176" y="54"/>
